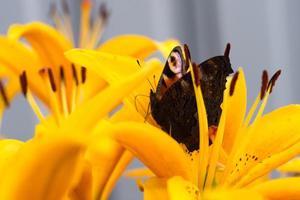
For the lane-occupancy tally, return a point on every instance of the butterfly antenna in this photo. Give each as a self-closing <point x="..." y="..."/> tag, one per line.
<point x="227" y="50"/>
<point x="138" y="62"/>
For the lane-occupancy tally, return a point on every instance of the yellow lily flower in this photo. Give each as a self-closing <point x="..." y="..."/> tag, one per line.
<point x="82" y="162"/>
<point x="232" y="167"/>
<point x="58" y="83"/>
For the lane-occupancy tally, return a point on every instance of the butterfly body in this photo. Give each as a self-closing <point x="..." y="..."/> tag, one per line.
<point x="173" y="105"/>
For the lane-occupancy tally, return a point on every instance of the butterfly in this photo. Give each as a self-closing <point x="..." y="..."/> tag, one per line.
<point x="173" y="104"/>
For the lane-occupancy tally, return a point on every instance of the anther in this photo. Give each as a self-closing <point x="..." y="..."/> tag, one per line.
<point x="187" y="56"/>
<point x="227" y="50"/>
<point x="23" y="83"/>
<point x="75" y="74"/>
<point x="273" y="80"/>
<point x="3" y="94"/>
<point x="103" y="12"/>
<point x="83" y="75"/>
<point x="264" y="84"/>
<point x="51" y="80"/>
<point x="42" y="72"/>
<point x="233" y="83"/>
<point x="196" y="71"/>
<point x="53" y="9"/>
<point x="62" y="74"/>
<point x="65" y="6"/>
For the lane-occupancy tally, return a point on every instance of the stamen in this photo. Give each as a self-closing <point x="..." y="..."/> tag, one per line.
<point x="3" y="94"/>
<point x="273" y="80"/>
<point x="197" y="72"/>
<point x="264" y="84"/>
<point x="233" y="83"/>
<point x="187" y="56"/>
<point x="98" y="26"/>
<point x="56" y="19"/>
<point x="65" y="6"/>
<point x="217" y="144"/>
<point x="67" y="20"/>
<point x="62" y="74"/>
<point x="23" y="83"/>
<point x="227" y="50"/>
<point x="27" y="94"/>
<point x="257" y="99"/>
<point x="51" y="79"/>
<point x="203" y="129"/>
<point x="103" y="12"/>
<point x="74" y="89"/>
<point x="63" y="92"/>
<point x="83" y="75"/>
<point x="54" y="108"/>
<point x="84" y="23"/>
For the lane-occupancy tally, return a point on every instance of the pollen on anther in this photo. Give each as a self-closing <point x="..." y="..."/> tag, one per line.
<point x="233" y="83"/>
<point x="187" y="56"/>
<point x="23" y="83"/>
<point x="103" y="12"/>
<point x="74" y="72"/>
<point x="196" y="71"/>
<point x="62" y="74"/>
<point x="3" y="94"/>
<point x="273" y="80"/>
<point x="83" y="74"/>
<point x="264" y="84"/>
<point x="51" y="80"/>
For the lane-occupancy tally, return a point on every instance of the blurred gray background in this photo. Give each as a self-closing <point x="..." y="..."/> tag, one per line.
<point x="263" y="34"/>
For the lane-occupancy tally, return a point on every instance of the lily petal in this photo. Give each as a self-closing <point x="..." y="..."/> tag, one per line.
<point x="137" y="46"/>
<point x="180" y="189"/>
<point x="292" y="166"/>
<point x="272" y="134"/>
<point x="16" y="58"/>
<point x="220" y="194"/>
<point x="282" y="188"/>
<point x="52" y="177"/>
<point x="50" y="45"/>
<point x="237" y="104"/>
<point x="155" y="188"/>
<point x="158" y="151"/>
<point x="8" y="148"/>
<point x="102" y="104"/>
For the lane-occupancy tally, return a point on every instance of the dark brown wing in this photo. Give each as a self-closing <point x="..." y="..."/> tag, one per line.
<point x="213" y="81"/>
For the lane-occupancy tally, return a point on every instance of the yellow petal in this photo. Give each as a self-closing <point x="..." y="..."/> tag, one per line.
<point x="222" y="194"/>
<point x="50" y="45"/>
<point x="283" y="188"/>
<point x="107" y="158"/>
<point x="139" y="172"/>
<point x="237" y="104"/>
<point x="99" y="106"/>
<point x="83" y="189"/>
<point x="8" y="148"/>
<point x="50" y="166"/>
<point x="158" y="151"/>
<point x="180" y="189"/>
<point x="155" y="188"/>
<point x="137" y="46"/>
<point x="291" y="167"/>
<point x="110" y="67"/>
<point x="272" y="134"/>
<point x="16" y="58"/>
